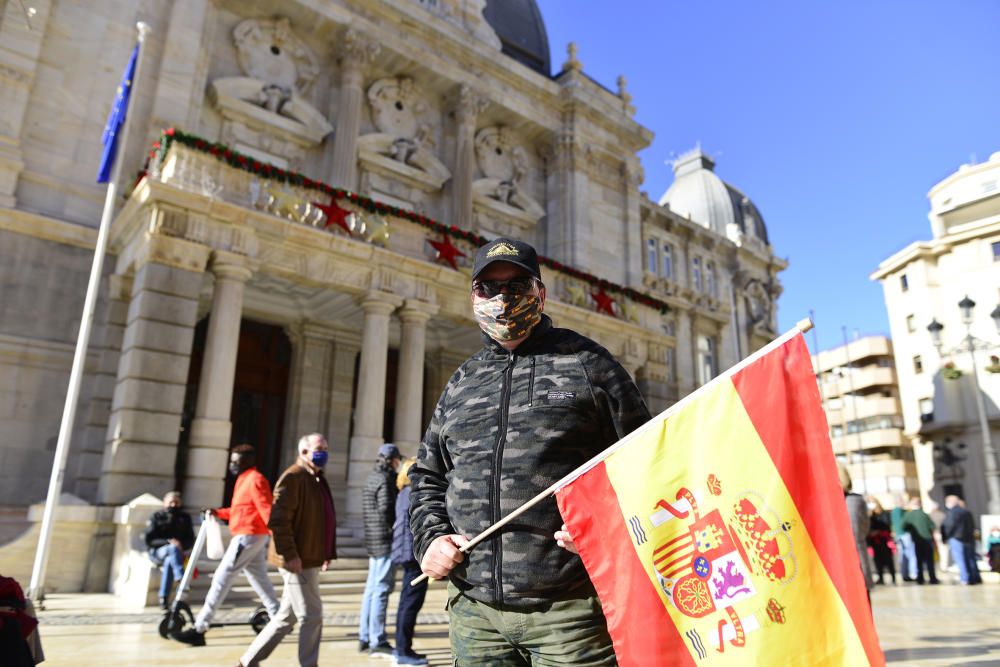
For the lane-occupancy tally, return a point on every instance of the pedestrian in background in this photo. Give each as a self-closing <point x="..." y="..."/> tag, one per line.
<point x="904" y="543"/>
<point x="921" y="529"/>
<point x="303" y="525"/>
<point x="248" y="515"/>
<point x="880" y="538"/>
<point x="857" y="511"/>
<point x="379" y="505"/>
<point x="958" y="531"/>
<point x="411" y="598"/>
<point x="169" y="534"/>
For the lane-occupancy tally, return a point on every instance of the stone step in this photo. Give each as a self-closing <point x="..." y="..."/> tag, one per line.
<point x="13" y="523"/>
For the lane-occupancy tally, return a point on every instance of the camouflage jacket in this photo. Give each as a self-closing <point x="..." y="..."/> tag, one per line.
<point x="507" y="426"/>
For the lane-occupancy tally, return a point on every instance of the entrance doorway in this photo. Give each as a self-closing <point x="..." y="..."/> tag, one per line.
<point x="260" y="393"/>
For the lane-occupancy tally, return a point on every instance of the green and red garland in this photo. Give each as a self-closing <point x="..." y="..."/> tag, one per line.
<point x="266" y="170"/>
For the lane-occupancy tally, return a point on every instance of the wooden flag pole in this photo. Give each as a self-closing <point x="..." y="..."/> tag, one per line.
<point x="801" y="327"/>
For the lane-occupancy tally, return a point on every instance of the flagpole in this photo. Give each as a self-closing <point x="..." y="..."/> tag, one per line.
<point x="36" y="590"/>
<point x="801" y="327"/>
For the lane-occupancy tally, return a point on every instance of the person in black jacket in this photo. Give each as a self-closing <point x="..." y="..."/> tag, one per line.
<point x="379" y="505"/>
<point x="533" y="404"/>
<point x="168" y="535"/>
<point x="959" y="533"/>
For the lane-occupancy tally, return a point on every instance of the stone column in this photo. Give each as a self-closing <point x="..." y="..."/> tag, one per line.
<point x="312" y="349"/>
<point x="568" y="226"/>
<point x="20" y="47"/>
<point x="356" y="52"/>
<point x="685" y="354"/>
<point x="345" y="353"/>
<point x="98" y="410"/>
<point x="632" y="177"/>
<point x="410" y="383"/>
<point x="152" y="376"/>
<point x="469" y="105"/>
<point x="208" y="446"/>
<point x="369" y="403"/>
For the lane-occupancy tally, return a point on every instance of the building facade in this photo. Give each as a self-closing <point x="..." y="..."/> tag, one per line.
<point x="924" y="283"/>
<point x="861" y="400"/>
<point x="294" y="255"/>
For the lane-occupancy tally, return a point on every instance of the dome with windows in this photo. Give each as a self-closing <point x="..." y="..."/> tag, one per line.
<point x="699" y="194"/>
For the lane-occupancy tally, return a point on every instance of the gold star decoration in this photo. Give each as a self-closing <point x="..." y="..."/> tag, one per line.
<point x="628" y="310"/>
<point x="376" y="230"/>
<point x="577" y="296"/>
<point x="284" y="204"/>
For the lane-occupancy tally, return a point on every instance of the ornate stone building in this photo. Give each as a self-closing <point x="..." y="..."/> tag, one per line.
<point x="295" y="256"/>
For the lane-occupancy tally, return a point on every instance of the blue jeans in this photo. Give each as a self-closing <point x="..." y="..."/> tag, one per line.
<point x="411" y="599"/>
<point x="171" y="559"/>
<point x="376" y="600"/>
<point x="907" y="555"/>
<point x="964" y="555"/>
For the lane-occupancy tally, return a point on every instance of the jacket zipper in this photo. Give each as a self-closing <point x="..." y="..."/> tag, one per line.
<point x="497" y="467"/>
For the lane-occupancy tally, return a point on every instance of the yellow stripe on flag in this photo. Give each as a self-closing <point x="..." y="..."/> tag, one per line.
<point x="754" y="574"/>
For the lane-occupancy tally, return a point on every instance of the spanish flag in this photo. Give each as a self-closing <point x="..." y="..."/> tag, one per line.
<point x="717" y="534"/>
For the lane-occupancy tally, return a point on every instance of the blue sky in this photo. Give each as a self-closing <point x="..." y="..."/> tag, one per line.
<point x="835" y="117"/>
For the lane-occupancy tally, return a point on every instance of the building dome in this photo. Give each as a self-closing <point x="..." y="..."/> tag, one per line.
<point x="519" y="25"/>
<point x="699" y="194"/>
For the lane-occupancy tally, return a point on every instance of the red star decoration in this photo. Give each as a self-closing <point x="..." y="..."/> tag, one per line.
<point x="603" y="301"/>
<point x="446" y="251"/>
<point x="334" y="215"/>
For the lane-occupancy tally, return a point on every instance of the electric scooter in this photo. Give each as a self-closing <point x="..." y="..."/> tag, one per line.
<point x="178" y="616"/>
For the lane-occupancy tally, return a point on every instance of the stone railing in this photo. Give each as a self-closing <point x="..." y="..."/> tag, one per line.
<point x="214" y="170"/>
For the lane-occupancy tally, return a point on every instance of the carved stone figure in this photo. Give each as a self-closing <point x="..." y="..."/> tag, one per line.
<point x="267" y="50"/>
<point x="402" y="137"/>
<point x="268" y="104"/>
<point x="504" y="166"/>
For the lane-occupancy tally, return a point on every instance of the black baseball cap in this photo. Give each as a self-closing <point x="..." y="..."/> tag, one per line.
<point x="506" y="250"/>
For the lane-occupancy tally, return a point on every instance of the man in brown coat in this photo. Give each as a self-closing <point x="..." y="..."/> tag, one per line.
<point x="303" y="527"/>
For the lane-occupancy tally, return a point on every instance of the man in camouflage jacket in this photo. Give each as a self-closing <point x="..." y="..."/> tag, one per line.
<point x="532" y="405"/>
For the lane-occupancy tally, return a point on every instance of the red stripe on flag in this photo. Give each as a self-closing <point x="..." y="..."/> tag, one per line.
<point x="642" y="631"/>
<point x="789" y="419"/>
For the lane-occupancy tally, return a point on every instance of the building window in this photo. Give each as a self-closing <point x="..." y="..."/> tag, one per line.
<point x="706" y="359"/>
<point x="926" y="410"/>
<point x="911" y="324"/>
<point x="904" y="284"/>
<point x="918" y="365"/>
<point x="996" y="251"/>
<point x="711" y="285"/>
<point x="668" y="261"/>
<point x="696" y="274"/>
<point x="651" y="256"/>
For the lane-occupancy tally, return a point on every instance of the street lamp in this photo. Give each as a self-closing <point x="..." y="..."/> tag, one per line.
<point x="966" y="306"/>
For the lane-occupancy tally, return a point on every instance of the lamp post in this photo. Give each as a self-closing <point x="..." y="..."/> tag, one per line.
<point x="966" y="306"/>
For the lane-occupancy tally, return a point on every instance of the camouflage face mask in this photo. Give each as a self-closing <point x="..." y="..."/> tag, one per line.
<point x="508" y="316"/>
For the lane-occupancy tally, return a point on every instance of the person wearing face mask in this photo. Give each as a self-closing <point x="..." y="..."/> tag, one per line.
<point x="303" y="527"/>
<point x="533" y="404"/>
<point x="168" y="535"/>
<point x="247" y="552"/>
<point x="379" y="506"/>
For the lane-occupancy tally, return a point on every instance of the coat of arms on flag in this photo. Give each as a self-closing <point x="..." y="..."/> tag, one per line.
<point x="718" y="533"/>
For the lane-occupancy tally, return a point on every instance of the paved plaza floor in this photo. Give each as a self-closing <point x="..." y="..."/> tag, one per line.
<point x="918" y="625"/>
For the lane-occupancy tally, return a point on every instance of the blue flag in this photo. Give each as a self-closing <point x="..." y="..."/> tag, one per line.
<point x="116" y="119"/>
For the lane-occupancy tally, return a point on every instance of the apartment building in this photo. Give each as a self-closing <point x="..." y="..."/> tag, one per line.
<point x="861" y="397"/>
